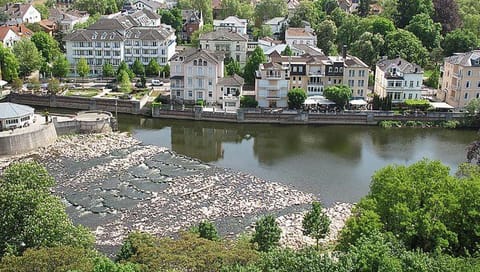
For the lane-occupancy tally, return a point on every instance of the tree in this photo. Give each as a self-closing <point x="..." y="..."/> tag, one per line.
<point x="380" y="25"/>
<point x="363" y="8"/>
<point x="267" y="233"/>
<point x="17" y="84"/>
<point x="368" y="48"/>
<point x="208" y="231"/>
<point x="233" y="67"/>
<point x="60" y="67"/>
<point x="83" y="69"/>
<point x="46" y="45"/>
<point x="459" y="40"/>
<point x="340" y="94"/>
<point x="153" y="68"/>
<point x="329" y="6"/>
<point x="262" y="32"/>
<point x="53" y="86"/>
<point x="287" y="51"/>
<point x="316" y="223"/>
<point x="138" y="68"/>
<point x="268" y="9"/>
<point x="44" y="12"/>
<point x="350" y="30"/>
<point x="427" y="31"/>
<point x="406" y="45"/>
<point x="29" y="58"/>
<point x="326" y="35"/>
<point x="124" y="82"/>
<point x="30" y="216"/>
<point x="90" y="21"/>
<point x="296" y="97"/>
<point x="97" y="6"/>
<point x="248" y="102"/>
<point x="306" y="11"/>
<point x="166" y="70"/>
<point x="256" y="58"/>
<point x="172" y="17"/>
<point x="408" y="8"/>
<point x="239" y="8"/>
<point x="447" y="14"/>
<point x="8" y="64"/>
<point x="194" y="38"/>
<point x="108" y="70"/>
<point x="205" y="6"/>
<point x="4" y="17"/>
<point x="434" y="78"/>
<point x="124" y="67"/>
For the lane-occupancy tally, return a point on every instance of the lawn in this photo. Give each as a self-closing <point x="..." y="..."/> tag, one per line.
<point x="82" y="92"/>
<point x="139" y="94"/>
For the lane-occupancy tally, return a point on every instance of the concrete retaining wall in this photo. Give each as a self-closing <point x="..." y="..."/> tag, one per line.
<point x="81" y="103"/>
<point x="31" y="139"/>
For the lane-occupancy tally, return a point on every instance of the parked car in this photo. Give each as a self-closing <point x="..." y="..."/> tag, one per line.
<point x="156" y="82"/>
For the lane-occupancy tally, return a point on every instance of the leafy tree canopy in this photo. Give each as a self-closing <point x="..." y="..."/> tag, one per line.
<point x="267" y="233"/>
<point x="296" y="97"/>
<point x="459" y="40"/>
<point x="340" y="94"/>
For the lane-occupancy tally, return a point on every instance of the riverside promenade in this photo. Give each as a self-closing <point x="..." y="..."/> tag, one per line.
<point x="367" y="117"/>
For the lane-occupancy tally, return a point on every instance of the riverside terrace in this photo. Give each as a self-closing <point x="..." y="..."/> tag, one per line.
<point x="302" y="117"/>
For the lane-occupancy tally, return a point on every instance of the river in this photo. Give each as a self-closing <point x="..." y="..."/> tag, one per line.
<point x="333" y="162"/>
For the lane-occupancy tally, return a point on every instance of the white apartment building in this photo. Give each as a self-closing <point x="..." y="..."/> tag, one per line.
<point x="194" y="75"/>
<point x="272" y="85"/>
<point x="306" y="35"/>
<point x="231" y="23"/>
<point x="232" y="44"/>
<point x="123" y="37"/>
<point x="399" y="79"/>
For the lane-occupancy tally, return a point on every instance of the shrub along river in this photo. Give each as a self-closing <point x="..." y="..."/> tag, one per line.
<point x="332" y="162"/>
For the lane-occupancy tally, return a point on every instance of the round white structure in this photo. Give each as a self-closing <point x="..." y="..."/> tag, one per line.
<point x="15" y="115"/>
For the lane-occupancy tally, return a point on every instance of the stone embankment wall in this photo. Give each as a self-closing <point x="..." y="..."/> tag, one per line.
<point x="81" y="103"/>
<point x="32" y="138"/>
<point x="293" y="117"/>
<point x="78" y="125"/>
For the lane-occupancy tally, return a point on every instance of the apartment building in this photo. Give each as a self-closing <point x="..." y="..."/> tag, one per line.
<point x="122" y="37"/>
<point x="231" y="23"/>
<point x="272" y="85"/>
<point x="398" y="79"/>
<point x="460" y="79"/>
<point x="198" y="74"/>
<point x="306" y="35"/>
<point x="231" y="43"/>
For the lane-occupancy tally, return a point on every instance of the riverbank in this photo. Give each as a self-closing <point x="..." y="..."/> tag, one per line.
<point x="114" y="184"/>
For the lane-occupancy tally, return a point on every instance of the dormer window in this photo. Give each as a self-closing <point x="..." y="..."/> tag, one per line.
<point x="194" y="62"/>
<point x="94" y="36"/>
<point x="104" y="35"/>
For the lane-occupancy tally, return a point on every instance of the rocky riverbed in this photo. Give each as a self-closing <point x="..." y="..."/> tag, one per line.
<point x="113" y="184"/>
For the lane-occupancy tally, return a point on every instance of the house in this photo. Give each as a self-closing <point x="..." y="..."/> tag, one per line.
<point x="398" y="79"/>
<point x="217" y="8"/>
<point x="147" y="4"/>
<point x="67" y="19"/>
<point x="460" y="79"/>
<point x="9" y="35"/>
<point x="292" y="6"/>
<point x="48" y="26"/>
<point x="348" y="6"/>
<point x="21" y="13"/>
<point x="230" y="91"/>
<point x="122" y="37"/>
<point x="192" y="20"/>
<point x="306" y="35"/>
<point x="231" y="43"/>
<point x="277" y="25"/>
<point x="231" y="23"/>
<point x="271" y="85"/>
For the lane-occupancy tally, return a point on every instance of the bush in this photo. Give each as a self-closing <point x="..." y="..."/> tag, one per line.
<point x="248" y="102"/>
<point x="450" y="124"/>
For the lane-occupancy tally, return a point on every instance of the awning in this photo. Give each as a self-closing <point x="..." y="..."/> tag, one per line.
<point x="318" y="99"/>
<point x="358" y="102"/>
<point x="440" y="105"/>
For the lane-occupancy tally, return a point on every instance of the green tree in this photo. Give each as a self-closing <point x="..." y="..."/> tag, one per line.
<point x="30" y="216"/>
<point x="29" y="58"/>
<point x="328" y="6"/>
<point x="326" y="35"/>
<point x="138" y="68"/>
<point x="233" y="67"/>
<point x="287" y="51"/>
<point x="44" y="12"/>
<point x="406" y="9"/>
<point x="241" y="9"/>
<point x="380" y="25"/>
<point x="459" y="40"/>
<point x="256" y="58"/>
<point x="194" y="38"/>
<point x="267" y="233"/>
<point x="306" y="11"/>
<point x="406" y="45"/>
<point x="53" y="86"/>
<point x="17" y="84"/>
<point x="350" y="30"/>
<point x="296" y="97"/>
<point x="83" y="69"/>
<point x="368" y="48"/>
<point x="434" y="79"/>
<point x="94" y="17"/>
<point x="124" y="82"/>
<point x="363" y="8"/>
<point x="8" y="64"/>
<point x="153" y="68"/>
<point x="60" y="67"/>
<point x="97" y="6"/>
<point x="316" y="223"/>
<point x="268" y="9"/>
<point x="205" y="6"/>
<point x="108" y="70"/>
<point x="248" y="102"/>
<point x="124" y="67"/>
<point x="208" y="231"/>
<point x="46" y="45"/>
<point x="340" y="94"/>
<point x="427" y="31"/>
<point x="166" y="70"/>
<point x="262" y="32"/>
<point x="172" y="17"/>
<point x="446" y="13"/>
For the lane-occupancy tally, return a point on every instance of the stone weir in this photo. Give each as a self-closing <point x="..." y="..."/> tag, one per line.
<point x="113" y="184"/>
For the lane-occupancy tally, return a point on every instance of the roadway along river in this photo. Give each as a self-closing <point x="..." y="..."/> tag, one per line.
<point x="333" y="162"/>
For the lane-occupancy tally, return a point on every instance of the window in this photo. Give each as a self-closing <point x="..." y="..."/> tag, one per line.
<point x="189" y="82"/>
<point x="467" y="85"/>
<point x="361" y="83"/>
<point x="300" y="69"/>
<point x="190" y="93"/>
<point x="351" y="82"/>
<point x="411" y="83"/>
<point x="200" y="83"/>
<point x="465" y="96"/>
<point x="469" y="73"/>
<point x="210" y="93"/>
<point x="330" y="69"/>
<point x="478" y="95"/>
<point x="396" y="96"/>
<point x="409" y="96"/>
<point x="199" y="95"/>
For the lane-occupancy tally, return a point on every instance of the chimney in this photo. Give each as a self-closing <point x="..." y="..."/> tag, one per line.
<point x="344" y="52"/>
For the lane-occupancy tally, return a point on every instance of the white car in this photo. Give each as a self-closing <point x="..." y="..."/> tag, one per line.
<point x="156" y="82"/>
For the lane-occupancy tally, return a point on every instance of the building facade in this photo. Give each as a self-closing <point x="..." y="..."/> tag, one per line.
<point x="398" y="79"/>
<point x="124" y="37"/>
<point x="66" y="20"/>
<point x="15" y="115"/>
<point x="192" y="20"/>
<point x="272" y="85"/>
<point x="21" y="13"/>
<point x="306" y="35"/>
<point x="230" y="43"/>
<point x="231" y="23"/>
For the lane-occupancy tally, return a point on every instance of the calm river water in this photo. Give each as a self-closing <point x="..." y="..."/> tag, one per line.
<point x="334" y="162"/>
